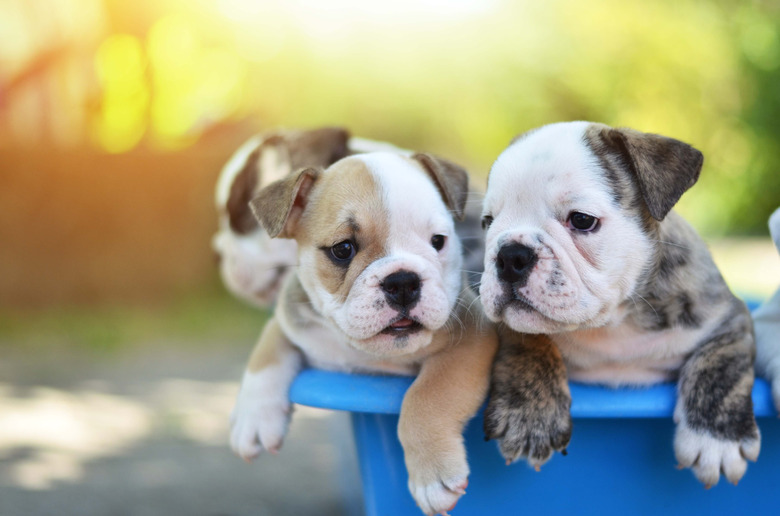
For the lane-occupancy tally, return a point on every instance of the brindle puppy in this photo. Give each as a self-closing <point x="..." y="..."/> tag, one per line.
<point x="582" y="245"/>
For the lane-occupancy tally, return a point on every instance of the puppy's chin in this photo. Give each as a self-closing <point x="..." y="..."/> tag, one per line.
<point x="394" y="343"/>
<point x="521" y="317"/>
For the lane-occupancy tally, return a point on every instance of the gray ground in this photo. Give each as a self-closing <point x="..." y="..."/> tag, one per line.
<point x="144" y="432"/>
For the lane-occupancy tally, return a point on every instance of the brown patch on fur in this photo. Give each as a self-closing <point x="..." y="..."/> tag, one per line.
<point x="663" y="168"/>
<point x="241" y="192"/>
<point x="451" y="180"/>
<point x="346" y="204"/>
<point x="528" y="411"/>
<point x="317" y="147"/>
<point x="298" y="149"/>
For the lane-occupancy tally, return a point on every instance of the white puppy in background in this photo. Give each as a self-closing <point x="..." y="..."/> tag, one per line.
<point x="253" y="265"/>
<point x="766" y="320"/>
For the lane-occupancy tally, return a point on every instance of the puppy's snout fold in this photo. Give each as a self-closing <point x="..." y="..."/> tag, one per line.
<point x="402" y="289"/>
<point x="514" y="262"/>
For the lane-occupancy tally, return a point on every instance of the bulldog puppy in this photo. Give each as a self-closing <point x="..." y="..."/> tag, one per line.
<point x="378" y="289"/>
<point x="582" y="246"/>
<point x="253" y="265"/>
<point x="767" y="323"/>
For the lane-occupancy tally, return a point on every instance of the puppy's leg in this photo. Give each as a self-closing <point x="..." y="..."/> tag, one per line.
<point x="766" y="320"/>
<point x="262" y="412"/>
<point x="447" y="393"/>
<point x="716" y="428"/>
<point x="529" y="407"/>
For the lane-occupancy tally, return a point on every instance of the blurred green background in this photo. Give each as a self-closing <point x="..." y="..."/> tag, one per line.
<point x="116" y="116"/>
<point x="118" y="342"/>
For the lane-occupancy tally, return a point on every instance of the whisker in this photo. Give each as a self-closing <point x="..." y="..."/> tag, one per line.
<point x="648" y="304"/>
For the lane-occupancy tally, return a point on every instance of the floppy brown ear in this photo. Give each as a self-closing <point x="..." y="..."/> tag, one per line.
<point x="274" y="158"/>
<point x="451" y="180"/>
<point x="664" y="167"/>
<point x="278" y="206"/>
<point x="242" y="189"/>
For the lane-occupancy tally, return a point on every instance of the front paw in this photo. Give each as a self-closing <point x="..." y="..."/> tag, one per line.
<point x="708" y="455"/>
<point x="438" y="475"/>
<point x="531" y="427"/>
<point x="259" y="420"/>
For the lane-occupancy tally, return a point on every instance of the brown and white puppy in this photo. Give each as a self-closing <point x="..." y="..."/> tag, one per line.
<point x="582" y="246"/>
<point x="253" y="265"/>
<point x="378" y="289"/>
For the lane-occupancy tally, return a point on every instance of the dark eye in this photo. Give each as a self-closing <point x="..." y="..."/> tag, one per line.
<point x="437" y="241"/>
<point x="487" y="220"/>
<point x="343" y="251"/>
<point x="582" y="221"/>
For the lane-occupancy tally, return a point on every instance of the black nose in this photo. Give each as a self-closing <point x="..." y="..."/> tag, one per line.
<point x="402" y="289"/>
<point x="514" y="262"/>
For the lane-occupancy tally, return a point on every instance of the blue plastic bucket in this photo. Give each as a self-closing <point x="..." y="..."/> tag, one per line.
<point x="620" y="458"/>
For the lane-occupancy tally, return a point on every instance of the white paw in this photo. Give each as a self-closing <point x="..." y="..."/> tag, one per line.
<point x="708" y="456"/>
<point x="260" y="418"/>
<point x="437" y="479"/>
<point x="439" y="497"/>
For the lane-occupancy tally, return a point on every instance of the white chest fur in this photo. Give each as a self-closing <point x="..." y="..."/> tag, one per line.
<point x="626" y="355"/>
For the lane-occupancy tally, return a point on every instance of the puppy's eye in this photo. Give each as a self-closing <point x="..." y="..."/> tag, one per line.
<point x="438" y="241"/>
<point x="343" y="252"/>
<point x="487" y="220"/>
<point x="582" y="221"/>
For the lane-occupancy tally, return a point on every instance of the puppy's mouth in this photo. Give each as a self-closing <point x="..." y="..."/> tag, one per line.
<point x="402" y="326"/>
<point x="522" y="303"/>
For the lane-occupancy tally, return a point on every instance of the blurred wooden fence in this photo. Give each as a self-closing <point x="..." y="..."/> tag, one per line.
<point x="78" y="226"/>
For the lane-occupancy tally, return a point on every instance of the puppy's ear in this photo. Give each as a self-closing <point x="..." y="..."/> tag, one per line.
<point x="278" y="206"/>
<point x="242" y="189"/>
<point x="664" y="167"/>
<point x="268" y="161"/>
<point x="451" y="180"/>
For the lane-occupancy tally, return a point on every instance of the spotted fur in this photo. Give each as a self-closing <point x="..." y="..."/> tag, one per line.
<point x="639" y="301"/>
